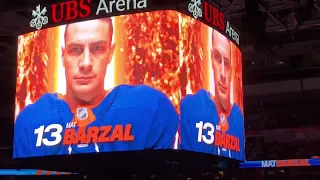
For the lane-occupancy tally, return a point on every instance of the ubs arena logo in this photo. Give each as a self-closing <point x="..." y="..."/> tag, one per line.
<point x="213" y="16"/>
<point x="79" y="9"/>
<point x="195" y="9"/>
<point x="39" y="17"/>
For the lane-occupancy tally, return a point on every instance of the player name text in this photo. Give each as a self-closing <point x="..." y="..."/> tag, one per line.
<point x="227" y="141"/>
<point x="71" y="125"/>
<point x="216" y="136"/>
<point x="94" y="134"/>
<point x="285" y="163"/>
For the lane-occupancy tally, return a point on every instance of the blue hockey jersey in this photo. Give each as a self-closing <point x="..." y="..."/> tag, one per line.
<point x="128" y="118"/>
<point x="201" y="131"/>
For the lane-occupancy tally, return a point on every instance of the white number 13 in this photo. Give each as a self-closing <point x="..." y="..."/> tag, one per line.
<point x="54" y="129"/>
<point x="210" y="132"/>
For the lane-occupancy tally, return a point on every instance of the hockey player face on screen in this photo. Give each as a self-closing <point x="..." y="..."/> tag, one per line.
<point x="87" y="53"/>
<point x="221" y="64"/>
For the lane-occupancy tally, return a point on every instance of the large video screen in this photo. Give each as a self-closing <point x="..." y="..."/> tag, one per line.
<point x="153" y="80"/>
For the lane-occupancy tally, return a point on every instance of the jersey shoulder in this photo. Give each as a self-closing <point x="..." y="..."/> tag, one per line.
<point x="236" y="109"/>
<point x="142" y="90"/>
<point x="43" y="108"/>
<point x="198" y="102"/>
<point x="236" y="113"/>
<point x="139" y="96"/>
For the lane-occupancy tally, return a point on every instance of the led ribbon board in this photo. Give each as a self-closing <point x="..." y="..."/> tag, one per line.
<point x="281" y="163"/>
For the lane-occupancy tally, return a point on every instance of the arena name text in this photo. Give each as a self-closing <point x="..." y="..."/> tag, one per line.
<point x="93" y="134"/>
<point x="232" y="33"/>
<point x="120" y="5"/>
<point x="73" y="9"/>
<point x="215" y="17"/>
<point x="217" y="137"/>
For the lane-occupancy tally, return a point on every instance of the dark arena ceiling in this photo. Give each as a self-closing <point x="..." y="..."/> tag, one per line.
<point x="280" y="41"/>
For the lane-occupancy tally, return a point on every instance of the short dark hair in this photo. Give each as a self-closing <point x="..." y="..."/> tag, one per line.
<point x="212" y="39"/>
<point x="107" y="20"/>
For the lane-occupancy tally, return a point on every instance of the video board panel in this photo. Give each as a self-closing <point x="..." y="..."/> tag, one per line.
<point x="151" y="80"/>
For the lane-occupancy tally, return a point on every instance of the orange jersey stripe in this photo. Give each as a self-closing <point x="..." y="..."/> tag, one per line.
<point x="91" y="117"/>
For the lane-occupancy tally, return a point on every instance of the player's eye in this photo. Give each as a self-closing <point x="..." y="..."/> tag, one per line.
<point x="227" y="63"/>
<point x="75" y="50"/>
<point x="217" y="57"/>
<point x="97" y="48"/>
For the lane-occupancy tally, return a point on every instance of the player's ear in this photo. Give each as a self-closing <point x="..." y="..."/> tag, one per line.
<point x="112" y="48"/>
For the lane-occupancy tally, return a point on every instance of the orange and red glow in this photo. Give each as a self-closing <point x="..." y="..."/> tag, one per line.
<point x="159" y="56"/>
<point x="32" y="68"/>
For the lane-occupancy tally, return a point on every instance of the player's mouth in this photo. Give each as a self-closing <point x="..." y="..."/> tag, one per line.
<point x="222" y="88"/>
<point x="83" y="80"/>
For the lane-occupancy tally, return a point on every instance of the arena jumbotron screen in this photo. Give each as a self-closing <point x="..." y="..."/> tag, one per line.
<point x="151" y="80"/>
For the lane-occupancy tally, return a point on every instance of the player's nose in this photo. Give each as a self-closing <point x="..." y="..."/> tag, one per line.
<point x="223" y="78"/>
<point x="86" y="61"/>
<point x="222" y="73"/>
